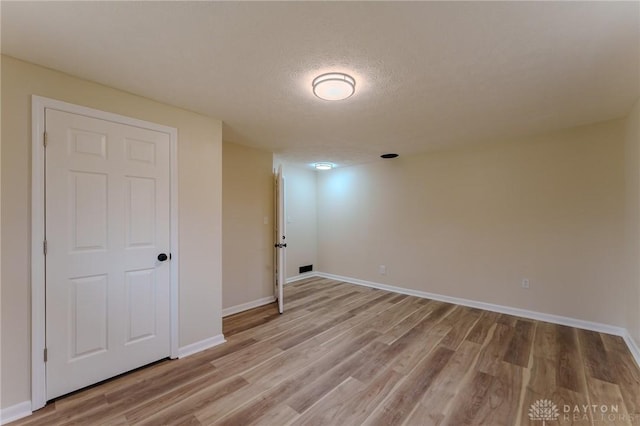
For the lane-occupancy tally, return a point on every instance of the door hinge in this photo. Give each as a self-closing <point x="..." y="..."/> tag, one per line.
<point x="46" y="355"/>
<point x="44" y="139"/>
<point x="44" y="247"/>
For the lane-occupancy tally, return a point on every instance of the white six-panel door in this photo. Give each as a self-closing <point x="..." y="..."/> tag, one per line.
<point x="107" y="220"/>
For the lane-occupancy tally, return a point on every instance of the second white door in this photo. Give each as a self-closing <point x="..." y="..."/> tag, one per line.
<point x="280" y="239"/>
<point x="108" y="233"/>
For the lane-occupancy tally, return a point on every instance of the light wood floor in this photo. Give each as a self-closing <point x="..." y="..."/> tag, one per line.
<point x="348" y="355"/>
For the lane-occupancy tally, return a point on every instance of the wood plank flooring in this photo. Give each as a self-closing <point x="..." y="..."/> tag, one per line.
<point x="349" y="355"/>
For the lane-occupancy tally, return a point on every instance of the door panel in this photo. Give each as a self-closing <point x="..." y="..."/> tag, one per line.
<point x="88" y="315"/>
<point x="88" y="210"/>
<point x="141" y="301"/>
<point x="107" y="219"/>
<point x="140" y="206"/>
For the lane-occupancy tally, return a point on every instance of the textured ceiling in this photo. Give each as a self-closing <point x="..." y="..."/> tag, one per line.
<point x="430" y="75"/>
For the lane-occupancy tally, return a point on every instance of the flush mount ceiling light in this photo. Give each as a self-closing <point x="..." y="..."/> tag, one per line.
<point x="334" y="86"/>
<point x="323" y="166"/>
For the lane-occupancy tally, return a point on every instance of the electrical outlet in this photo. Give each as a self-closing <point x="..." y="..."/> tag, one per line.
<point x="382" y="270"/>
<point x="525" y="283"/>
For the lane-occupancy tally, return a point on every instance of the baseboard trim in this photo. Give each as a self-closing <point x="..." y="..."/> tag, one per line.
<point x="15" y="412"/>
<point x="633" y="346"/>
<point x="302" y="276"/>
<point x="201" y="346"/>
<point x="539" y="316"/>
<point x="246" y="306"/>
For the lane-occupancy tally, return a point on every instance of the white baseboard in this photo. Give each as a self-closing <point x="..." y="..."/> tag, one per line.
<point x="201" y="346"/>
<point x="300" y="277"/>
<point x="539" y="316"/>
<point x="246" y="306"/>
<point x="15" y="412"/>
<point x="633" y="347"/>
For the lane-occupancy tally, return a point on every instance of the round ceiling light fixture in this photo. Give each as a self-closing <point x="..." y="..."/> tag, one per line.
<point x="334" y="86"/>
<point x="323" y="166"/>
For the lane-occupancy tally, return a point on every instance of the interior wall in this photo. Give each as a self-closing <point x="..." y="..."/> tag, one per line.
<point x="199" y="200"/>
<point x="301" y="216"/>
<point x="0" y="218"/>
<point x="474" y="223"/>
<point x="247" y="224"/>
<point x="632" y="178"/>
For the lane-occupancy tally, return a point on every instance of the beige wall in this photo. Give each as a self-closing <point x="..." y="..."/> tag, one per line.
<point x="473" y="223"/>
<point x="247" y="224"/>
<point x="199" y="163"/>
<point x="0" y="223"/>
<point x="632" y="169"/>
<point x="302" y="221"/>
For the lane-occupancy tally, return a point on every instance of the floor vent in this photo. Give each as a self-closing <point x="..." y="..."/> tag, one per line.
<point x="306" y="268"/>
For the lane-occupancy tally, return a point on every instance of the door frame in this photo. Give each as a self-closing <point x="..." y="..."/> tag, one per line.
<point x="280" y="222"/>
<point x="38" y="293"/>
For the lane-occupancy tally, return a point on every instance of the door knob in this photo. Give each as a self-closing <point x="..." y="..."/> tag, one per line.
<point x="162" y="257"/>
